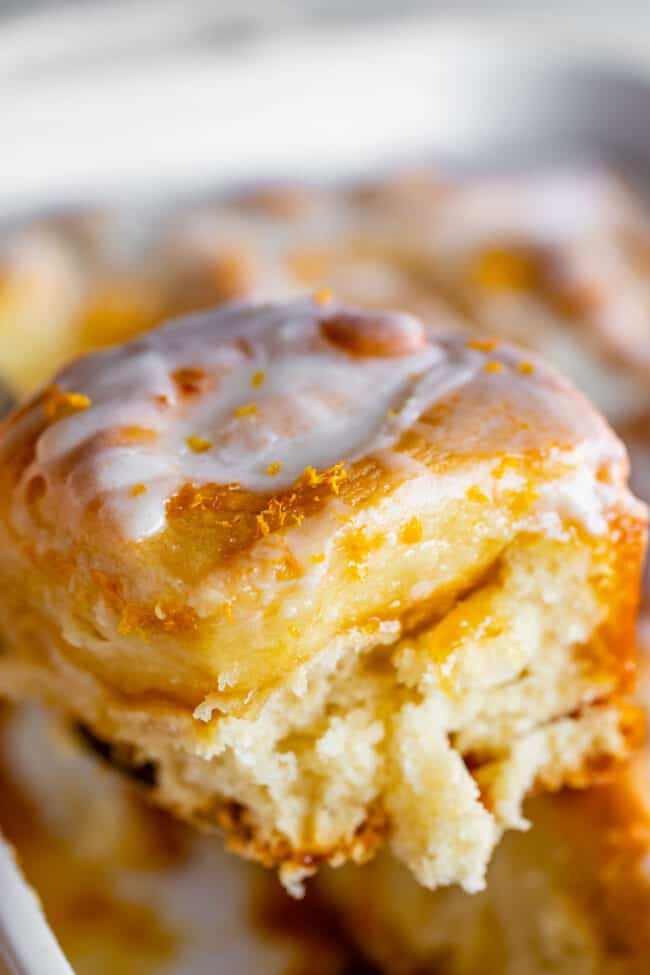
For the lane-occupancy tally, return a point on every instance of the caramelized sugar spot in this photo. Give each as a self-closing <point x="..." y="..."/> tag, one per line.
<point x="36" y="489"/>
<point x="189" y="380"/>
<point x="210" y="524"/>
<point x="373" y="335"/>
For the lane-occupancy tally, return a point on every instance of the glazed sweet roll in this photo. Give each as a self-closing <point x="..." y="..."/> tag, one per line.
<point x="559" y="262"/>
<point x="326" y="580"/>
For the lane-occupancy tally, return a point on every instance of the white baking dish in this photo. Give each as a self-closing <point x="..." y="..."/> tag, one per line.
<point x="134" y="104"/>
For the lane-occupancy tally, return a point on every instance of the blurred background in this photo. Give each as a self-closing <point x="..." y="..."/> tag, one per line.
<point x="485" y="165"/>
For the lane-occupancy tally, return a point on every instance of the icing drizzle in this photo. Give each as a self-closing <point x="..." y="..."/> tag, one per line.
<point x="251" y="393"/>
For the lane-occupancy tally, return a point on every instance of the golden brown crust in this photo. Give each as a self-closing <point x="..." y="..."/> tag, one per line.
<point x="615" y="645"/>
<point x="242" y="838"/>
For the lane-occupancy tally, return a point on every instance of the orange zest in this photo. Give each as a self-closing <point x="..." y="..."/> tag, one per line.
<point x="248" y="410"/>
<point x="198" y="445"/>
<point x="59" y="404"/>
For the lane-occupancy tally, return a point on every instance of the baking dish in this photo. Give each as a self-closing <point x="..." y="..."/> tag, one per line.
<point x="193" y="117"/>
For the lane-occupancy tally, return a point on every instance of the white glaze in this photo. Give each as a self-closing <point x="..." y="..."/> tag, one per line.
<point x="318" y="405"/>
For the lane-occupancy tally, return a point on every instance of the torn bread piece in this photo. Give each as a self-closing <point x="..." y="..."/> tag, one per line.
<point x="571" y="895"/>
<point x="332" y="581"/>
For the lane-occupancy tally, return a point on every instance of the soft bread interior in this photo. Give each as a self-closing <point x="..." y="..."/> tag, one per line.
<point x="430" y="738"/>
<point x="493" y="681"/>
